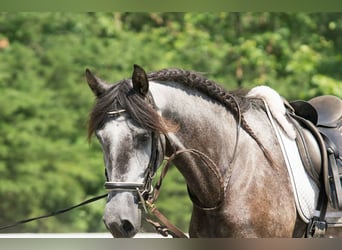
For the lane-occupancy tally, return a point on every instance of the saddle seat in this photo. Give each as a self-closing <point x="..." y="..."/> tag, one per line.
<point x="325" y="111"/>
<point x="320" y="141"/>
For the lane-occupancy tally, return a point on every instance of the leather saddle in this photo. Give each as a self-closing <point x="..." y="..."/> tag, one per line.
<point x="319" y="127"/>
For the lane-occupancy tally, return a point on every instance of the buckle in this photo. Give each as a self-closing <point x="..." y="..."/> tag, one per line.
<point x="316" y="228"/>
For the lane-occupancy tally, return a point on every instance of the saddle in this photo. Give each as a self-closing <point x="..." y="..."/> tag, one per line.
<point x="319" y="127"/>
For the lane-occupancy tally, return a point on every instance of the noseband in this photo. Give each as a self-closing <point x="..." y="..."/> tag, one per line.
<point x="123" y="186"/>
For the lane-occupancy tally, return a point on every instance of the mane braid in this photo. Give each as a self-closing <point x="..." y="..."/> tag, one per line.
<point x="212" y="89"/>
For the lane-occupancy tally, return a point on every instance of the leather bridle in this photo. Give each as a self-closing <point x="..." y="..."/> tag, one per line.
<point x="145" y="188"/>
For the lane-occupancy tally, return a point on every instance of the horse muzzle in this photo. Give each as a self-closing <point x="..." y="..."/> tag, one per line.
<point x="122" y="215"/>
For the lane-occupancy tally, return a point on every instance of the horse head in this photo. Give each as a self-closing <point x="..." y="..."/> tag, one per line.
<point x="132" y="148"/>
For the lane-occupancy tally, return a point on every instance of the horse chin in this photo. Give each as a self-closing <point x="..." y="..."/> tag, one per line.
<point x="122" y="216"/>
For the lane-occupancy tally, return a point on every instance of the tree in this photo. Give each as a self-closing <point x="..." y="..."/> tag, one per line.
<point x="45" y="160"/>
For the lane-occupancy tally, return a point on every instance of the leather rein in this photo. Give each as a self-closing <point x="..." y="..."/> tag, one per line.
<point x="149" y="195"/>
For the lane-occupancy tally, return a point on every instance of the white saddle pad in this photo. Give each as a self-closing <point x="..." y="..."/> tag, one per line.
<point x="304" y="188"/>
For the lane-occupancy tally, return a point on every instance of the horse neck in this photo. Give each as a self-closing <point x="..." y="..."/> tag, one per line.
<point x="204" y="125"/>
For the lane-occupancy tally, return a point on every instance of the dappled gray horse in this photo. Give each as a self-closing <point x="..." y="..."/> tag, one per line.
<point x="241" y="188"/>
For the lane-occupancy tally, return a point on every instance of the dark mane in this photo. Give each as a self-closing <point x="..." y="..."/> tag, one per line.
<point x="212" y="89"/>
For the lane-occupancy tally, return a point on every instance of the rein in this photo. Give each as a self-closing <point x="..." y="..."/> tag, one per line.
<point x="53" y="213"/>
<point x="168" y="227"/>
<point x="210" y="164"/>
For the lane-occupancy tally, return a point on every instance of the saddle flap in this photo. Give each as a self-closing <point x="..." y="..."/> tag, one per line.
<point x="329" y="110"/>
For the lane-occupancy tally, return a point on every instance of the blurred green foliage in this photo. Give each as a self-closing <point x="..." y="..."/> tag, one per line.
<point x="45" y="160"/>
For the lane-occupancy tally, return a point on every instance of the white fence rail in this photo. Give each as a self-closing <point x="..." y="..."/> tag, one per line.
<point x="73" y="235"/>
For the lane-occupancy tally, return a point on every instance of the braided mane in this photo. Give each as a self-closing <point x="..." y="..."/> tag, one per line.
<point x="233" y="101"/>
<point x="197" y="81"/>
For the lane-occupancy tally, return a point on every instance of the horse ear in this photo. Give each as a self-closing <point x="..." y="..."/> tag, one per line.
<point x="139" y="80"/>
<point x="97" y="85"/>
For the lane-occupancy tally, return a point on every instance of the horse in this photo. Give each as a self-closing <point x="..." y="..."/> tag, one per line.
<point x="229" y="155"/>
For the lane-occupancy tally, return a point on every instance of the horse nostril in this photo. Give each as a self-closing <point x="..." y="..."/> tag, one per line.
<point x="127" y="226"/>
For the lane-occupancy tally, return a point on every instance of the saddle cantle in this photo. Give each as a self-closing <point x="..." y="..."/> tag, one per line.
<point x="321" y="119"/>
<point x="329" y="110"/>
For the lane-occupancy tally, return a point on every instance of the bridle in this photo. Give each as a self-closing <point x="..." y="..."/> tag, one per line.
<point x="144" y="189"/>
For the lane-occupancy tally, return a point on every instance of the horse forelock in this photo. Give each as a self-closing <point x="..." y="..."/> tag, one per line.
<point x="122" y="96"/>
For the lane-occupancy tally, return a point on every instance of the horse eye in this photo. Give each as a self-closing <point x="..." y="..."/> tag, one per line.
<point x="143" y="137"/>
